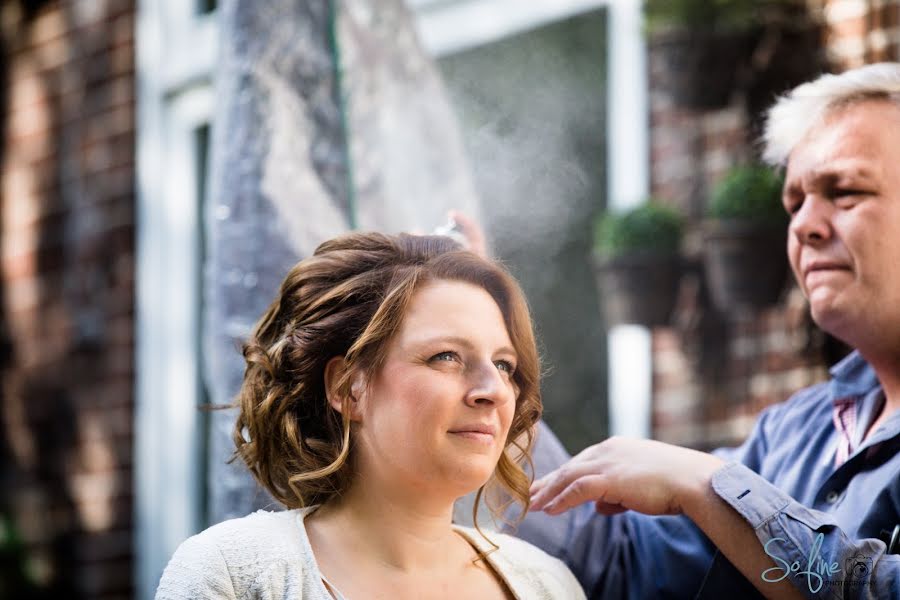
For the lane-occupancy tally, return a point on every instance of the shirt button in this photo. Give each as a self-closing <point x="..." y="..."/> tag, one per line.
<point x="831" y="497"/>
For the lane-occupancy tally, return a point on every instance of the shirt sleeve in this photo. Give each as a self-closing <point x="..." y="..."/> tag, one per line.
<point x="806" y="545"/>
<point x="623" y="556"/>
<point x="197" y="571"/>
<point x="631" y="555"/>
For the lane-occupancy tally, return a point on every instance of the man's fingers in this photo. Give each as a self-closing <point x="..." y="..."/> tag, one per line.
<point x="549" y="486"/>
<point x="605" y="508"/>
<point x="589" y="461"/>
<point x="472" y="231"/>
<point x="581" y="490"/>
<point x="542" y="490"/>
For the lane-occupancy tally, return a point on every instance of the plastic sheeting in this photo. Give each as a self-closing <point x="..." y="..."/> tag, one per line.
<point x="283" y="178"/>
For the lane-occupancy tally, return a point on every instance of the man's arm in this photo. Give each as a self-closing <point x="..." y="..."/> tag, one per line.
<point x="731" y="534"/>
<point x="658" y="479"/>
<point x="825" y="562"/>
<point x="619" y="556"/>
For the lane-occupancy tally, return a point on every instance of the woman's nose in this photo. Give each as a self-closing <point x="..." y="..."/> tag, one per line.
<point x="488" y="387"/>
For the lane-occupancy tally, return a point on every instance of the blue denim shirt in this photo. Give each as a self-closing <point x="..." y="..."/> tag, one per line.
<point x="783" y="482"/>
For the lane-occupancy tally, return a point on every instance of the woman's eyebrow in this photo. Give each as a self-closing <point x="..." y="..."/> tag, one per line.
<point x="459" y="341"/>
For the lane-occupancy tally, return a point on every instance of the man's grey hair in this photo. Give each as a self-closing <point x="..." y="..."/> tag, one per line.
<point x="807" y="105"/>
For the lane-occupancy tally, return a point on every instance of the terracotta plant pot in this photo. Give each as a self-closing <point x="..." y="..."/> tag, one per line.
<point x="639" y="289"/>
<point x="745" y="263"/>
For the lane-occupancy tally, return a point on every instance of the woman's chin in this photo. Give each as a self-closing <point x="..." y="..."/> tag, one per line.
<point x="470" y="479"/>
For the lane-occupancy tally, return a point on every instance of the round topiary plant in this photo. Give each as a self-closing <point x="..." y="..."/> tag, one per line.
<point x="639" y="265"/>
<point x="728" y="15"/>
<point x="749" y="193"/>
<point x="648" y="229"/>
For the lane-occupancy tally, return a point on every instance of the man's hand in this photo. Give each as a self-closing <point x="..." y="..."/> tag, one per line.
<point x="622" y="474"/>
<point x="471" y="230"/>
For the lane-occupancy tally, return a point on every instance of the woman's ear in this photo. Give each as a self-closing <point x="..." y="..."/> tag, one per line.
<point x="335" y="371"/>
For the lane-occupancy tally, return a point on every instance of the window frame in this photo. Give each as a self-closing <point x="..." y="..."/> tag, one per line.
<point x="176" y="57"/>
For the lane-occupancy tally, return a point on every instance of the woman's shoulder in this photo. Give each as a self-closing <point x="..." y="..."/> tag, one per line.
<point x="262" y="527"/>
<point x="533" y="572"/>
<point x="261" y="536"/>
<point x="226" y="559"/>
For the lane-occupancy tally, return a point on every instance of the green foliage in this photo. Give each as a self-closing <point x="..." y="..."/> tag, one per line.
<point x="751" y="193"/>
<point x="705" y="14"/>
<point x="648" y="229"/>
<point x="15" y="579"/>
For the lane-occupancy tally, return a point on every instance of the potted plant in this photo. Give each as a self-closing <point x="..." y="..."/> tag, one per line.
<point x="704" y="45"/>
<point x="638" y="263"/>
<point x="744" y="238"/>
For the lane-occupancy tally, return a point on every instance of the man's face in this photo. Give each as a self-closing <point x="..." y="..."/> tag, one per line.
<point x="843" y="194"/>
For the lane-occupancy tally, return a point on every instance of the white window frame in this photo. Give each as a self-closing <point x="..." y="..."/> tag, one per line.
<point x="176" y="56"/>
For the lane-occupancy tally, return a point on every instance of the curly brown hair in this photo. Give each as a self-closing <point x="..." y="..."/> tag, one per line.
<point x="348" y="300"/>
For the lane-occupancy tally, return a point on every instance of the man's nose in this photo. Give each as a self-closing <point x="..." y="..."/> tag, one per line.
<point x="487" y="386"/>
<point x="811" y="223"/>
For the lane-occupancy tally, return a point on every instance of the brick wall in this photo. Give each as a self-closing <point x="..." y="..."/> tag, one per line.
<point x="67" y="263"/>
<point x="712" y="375"/>
<point x="862" y="31"/>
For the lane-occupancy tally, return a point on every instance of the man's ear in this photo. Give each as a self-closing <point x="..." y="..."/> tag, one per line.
<point x="334" y="372"/>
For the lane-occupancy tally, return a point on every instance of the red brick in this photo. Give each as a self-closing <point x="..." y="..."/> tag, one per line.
<point x="849" y="28"/>
<point x="73" y="79"/>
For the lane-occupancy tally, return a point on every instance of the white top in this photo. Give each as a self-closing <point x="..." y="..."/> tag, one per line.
<point x="267" y="556"/>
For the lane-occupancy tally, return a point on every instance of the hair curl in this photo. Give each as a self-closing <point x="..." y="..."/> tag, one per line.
<point x="348" y="300"/>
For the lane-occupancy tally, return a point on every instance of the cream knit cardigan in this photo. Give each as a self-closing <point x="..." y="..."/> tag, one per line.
<point x="267" y="556"/>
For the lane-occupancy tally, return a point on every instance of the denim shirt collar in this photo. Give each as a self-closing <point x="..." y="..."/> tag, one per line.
<point x="852" y="376"/>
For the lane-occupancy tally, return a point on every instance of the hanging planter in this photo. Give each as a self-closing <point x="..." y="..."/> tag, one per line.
<point x="638" y="264"/>
<point x="702" y="66"/>
<point x="745" y="264"/>
<point x="744" y="241"/>
<point x="704" y="45"/>
<point x="639" y="288"/>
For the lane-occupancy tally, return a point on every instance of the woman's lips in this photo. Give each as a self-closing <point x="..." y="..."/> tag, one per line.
<point x="480" y="432"/>
<point x="474" y="436"/>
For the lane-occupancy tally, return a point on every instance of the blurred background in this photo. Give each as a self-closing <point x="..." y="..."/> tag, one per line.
<point x="164" y="162"/>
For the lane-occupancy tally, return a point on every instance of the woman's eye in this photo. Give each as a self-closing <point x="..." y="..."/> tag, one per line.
<point x="444" y="356"/>
<point x="505" y="365"/>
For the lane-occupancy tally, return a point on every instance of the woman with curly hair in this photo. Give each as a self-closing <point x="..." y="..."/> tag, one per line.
<point x="391" y="376"/>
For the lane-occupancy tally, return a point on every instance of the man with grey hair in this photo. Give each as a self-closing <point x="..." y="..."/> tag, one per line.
<point x="809" y="505"/>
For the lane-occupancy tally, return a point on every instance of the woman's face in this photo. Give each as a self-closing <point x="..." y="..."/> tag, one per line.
<point x="435" y="418"/>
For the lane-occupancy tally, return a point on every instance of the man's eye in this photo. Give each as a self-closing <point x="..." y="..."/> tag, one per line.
<point x="792" y="204"/>
<point x="845" y="192"/>
<point x="848" y="198"/>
